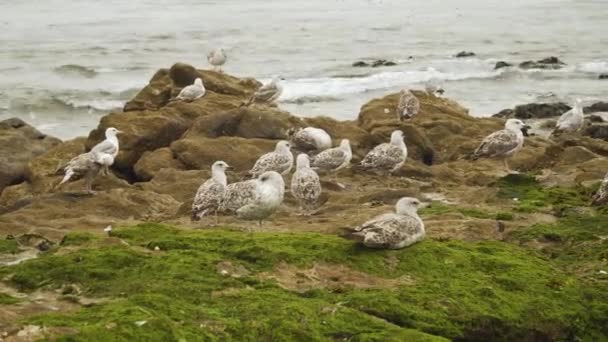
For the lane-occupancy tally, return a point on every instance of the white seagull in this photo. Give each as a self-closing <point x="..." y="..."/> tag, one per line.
<point x="267" y="93"/>
<point x="270" y="189"/>
<point x="311" y="139"/>
<point x="192" y="92"/>
<point x="217" y="58"/>
<point x="572" y="120"/>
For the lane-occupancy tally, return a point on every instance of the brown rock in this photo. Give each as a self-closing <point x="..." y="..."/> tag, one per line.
<point x="43" y="172"/>
<point x="54" y="214"/>
<point x="240" y="153"/>
<point x="153" y="161"/>
<point x="19" y="142"/>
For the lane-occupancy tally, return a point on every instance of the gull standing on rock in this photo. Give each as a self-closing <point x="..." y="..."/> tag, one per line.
<point x="279" y="160"/>
<point x="503" y="144"/>
<point x="109" y="146"/>
<point x="392" y="230"/>
<point x="267" y="93"/>
<point x="192" y="92"/>
<point x="408" y="105"/>
<point x="311" y="139"/>
<point x="387" y="157"/>
<point x="217" y="58"/>
<point x="305" y="184"/>
<point x="601" y="196"/>
<point x="211" y="193"/>
<point x="433" y="87"/>
<point x="333" y="159"/>
<point x="269" y="192"/>
<point x="572" y="120"/>
<point x="90" y="163"/>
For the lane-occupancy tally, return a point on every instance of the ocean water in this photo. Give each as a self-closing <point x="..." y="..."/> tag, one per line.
<point x="65" y="63"/>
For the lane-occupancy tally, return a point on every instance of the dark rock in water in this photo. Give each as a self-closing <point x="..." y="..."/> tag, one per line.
<point x="597" y="131"/>
<point x="382" y="62"/>
<point x="19" y="142"/>
<point x="376" y="63"/>
<point x="595" y="119"/>
<point x="360" y="64"/>
<point x="603" y="77"/>
<point x="534" y="111"/>
<point x="546" y="63"/>
<point x="462" y="54"/>
<point x="596" y="107"/>
<point x="502" y="64"/>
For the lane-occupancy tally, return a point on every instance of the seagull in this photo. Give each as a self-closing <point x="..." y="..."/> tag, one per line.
<point x="305" y="184"/>
<point x="279" y="160"/>
<point x="503" y="144"/>
<point x="387" y="157"/>
<point x="311" y="139"/>
<point x="408" y="105"/>
<point x="89" y="164"/>
<point x="109" y="146"/>
<point x="211" y="193"/>
<point x="217" y="58"/>
<point x="395" y="230"/>
<point x="192" y="92"/>
<point x="570" y="121"/>
<point x="267" y="93"/>
<point x="433" y="87"/>
<point x="333" y="159"/>
<point x="255" y="199"/>
<point x="601" y="196"/>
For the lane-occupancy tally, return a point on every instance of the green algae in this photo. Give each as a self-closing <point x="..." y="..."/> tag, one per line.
<point x="77" y="239"/>
<point x="459" y="290"/>
<point x="9" y="247"/>
<point x="529" y="196"/>
<point x="438" y="208"/>
<point x="6" y="299"/>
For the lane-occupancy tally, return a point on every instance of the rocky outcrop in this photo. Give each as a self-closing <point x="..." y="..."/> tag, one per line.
<point x="596" y="107"/>
<point x="597" y="131"/>
<point x="534" y="111"/>
<point x="546" y="63"/>
<point x="166" y="153"/>
<point x="374" y="64"/>
<point x="19" y="142"/>
<point x="463" y="54"/>
<point x="603" y="77"/>
<point x="502" y="64"/>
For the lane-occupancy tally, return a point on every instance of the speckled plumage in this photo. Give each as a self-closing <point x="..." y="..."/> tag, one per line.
<point x="408" y="105"/>
<point x="237" y="195"/>
<point x="84" y="165"/>
<point x="393" y="230"/>
<point x="305" y="184"/>
<point x="387" y="157"/>
<point x="279" y="160"/>
<point x="211" y="193"/>
<point x="333" y="159"/>
<point x="601" y="196"/>
<point x="502" y="144"/>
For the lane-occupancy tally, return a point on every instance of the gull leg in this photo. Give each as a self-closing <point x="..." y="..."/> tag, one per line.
<point x="509" y="171"/>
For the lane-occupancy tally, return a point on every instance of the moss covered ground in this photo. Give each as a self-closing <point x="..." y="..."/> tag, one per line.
<point x="162" y="283"/>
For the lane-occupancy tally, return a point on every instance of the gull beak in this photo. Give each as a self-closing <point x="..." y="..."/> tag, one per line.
<point x="228" y="167"/>
<point x="425" y="205"/>
<point x="119" y="132"/>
